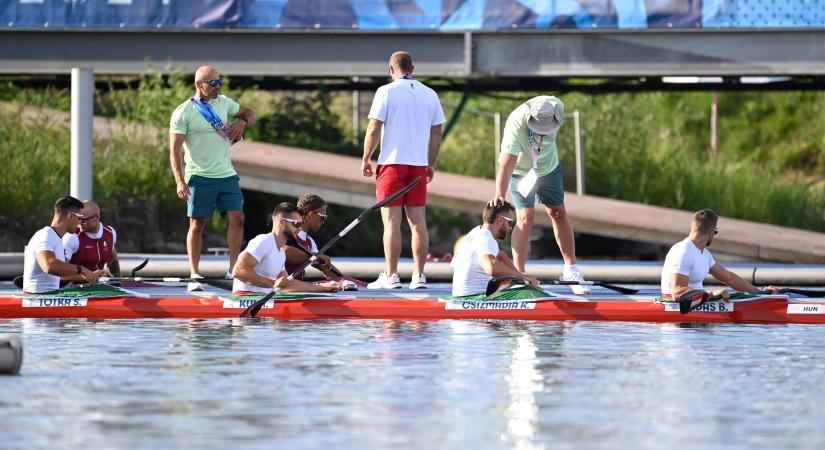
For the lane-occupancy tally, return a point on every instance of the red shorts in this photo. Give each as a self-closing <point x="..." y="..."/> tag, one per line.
<point x="391" y="178"/>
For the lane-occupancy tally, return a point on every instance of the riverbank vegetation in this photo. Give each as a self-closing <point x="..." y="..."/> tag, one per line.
<point x="646" y="147"/>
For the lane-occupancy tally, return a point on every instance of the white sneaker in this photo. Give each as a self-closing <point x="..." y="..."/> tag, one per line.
<point x="385" y="281"/>
<point x="575" y="275"/>
<point x="418" y="282"/>
<point x="194" y="285"/>
<point x="228" y="276"/>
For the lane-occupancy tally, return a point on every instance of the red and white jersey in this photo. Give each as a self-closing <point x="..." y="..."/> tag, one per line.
<point x="308" y="244"/>
<point x="90" y="250"/>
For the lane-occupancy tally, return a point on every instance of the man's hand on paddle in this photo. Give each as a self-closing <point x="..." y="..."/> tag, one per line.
<point x="532" y="280"/>
<point x="90" y="276"/>
<point x="720" y="292"/>
<point x="366" y="168"/>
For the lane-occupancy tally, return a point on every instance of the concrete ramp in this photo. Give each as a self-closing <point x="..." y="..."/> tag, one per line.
<point x="292" y="171"/>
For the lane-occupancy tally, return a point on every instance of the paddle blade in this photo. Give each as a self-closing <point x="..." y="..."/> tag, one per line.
<point x="140" y="266"/>
<point x="18" y="282"/>
<point x="392" y="197"/>
<point x="253" y="309"/>
<point x="691" y="300"/>
<point x="803" y="292"/>
<point x="496" y="283"/>
<point x="620" y="289"/>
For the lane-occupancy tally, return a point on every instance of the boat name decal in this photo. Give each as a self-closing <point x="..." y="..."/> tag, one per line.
<point x="711" y="307"/>
<point x="52" y="302"/>
<point x="801" y="308"/>
<point x="235" y="303"/>
<point x="474" y="304"/>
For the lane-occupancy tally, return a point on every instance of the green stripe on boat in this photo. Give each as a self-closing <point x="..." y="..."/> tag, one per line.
<point x="290" y="296"/>
<point x="91" y="291"/>
<point x="517" y="292"/>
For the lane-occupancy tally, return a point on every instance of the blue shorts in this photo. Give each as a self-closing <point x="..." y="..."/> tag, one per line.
<point x="550" y="190"/>
<point x="207" y="194"/>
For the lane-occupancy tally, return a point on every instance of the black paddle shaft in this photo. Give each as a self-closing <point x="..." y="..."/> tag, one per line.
<point x="253" y="309"/>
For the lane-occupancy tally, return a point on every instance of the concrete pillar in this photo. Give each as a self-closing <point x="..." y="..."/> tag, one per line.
<point x="83" y="91"/>
<point x="578" y="117"/>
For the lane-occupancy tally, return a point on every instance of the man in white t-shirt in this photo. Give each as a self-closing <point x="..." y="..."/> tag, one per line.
<point x="45" y="259"/>
<point x="689" y="261"/>
<point x="260" y="267"/>
<point x="406" y="117"/>
<point x="478" y="258"/>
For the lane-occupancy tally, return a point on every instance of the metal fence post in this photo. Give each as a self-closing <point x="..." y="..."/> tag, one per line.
<point x="578" y="117"/>
<point x="497" y="143"/>
<point x="83" y="92"/>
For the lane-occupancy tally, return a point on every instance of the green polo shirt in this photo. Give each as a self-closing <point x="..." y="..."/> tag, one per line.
<point x="205" y="152"/>
<point x="514" y="142"/>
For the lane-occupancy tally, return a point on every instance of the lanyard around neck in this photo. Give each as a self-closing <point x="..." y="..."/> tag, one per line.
<point x="533" y="152"/>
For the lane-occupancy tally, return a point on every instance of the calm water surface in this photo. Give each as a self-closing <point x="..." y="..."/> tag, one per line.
<point x="357" y="384"/>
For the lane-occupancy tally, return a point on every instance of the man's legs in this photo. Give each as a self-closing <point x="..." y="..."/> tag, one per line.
<point x="417" y="218"/>
<point x="234" y="236"/>
<point x="194" y="242"/>
<point x="520" y="239"/>
<point x="563" y="230"/>
<point x="391" y="216"/>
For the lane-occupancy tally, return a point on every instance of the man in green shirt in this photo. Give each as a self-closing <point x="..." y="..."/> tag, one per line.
<point x="207" y="180"/>
<point x="529" y="167"/>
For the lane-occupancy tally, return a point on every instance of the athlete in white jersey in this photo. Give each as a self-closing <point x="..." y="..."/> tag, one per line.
<point x="260" y="267"/>
<point x="45" y="260"/>
<point x="478" y="258"/>
<point x="689" y="261"/>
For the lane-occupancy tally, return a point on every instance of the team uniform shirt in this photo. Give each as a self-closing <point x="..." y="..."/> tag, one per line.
<point x="468" y="276"/>
<point x="685" y="258"/>
<point x="516" y="140"/>
<point x="307" y="243"/>
<point x="206" y="153"/>
<point x="270" y="258"/>
<point x="408" y="110"/>
<point x="34" y="279"/>
<point x="90" y="250"/>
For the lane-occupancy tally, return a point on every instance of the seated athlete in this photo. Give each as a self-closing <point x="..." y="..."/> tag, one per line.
<point x="313" y="211"/>
<point x="45" y="260"/>
<point x="92" y="245"/>
<point x="689" y="261"/>
<point x="478" y="258"/>
<point x="260" y="267"/>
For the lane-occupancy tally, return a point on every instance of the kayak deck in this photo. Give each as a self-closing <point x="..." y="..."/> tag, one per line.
<point x="174" y="302"/>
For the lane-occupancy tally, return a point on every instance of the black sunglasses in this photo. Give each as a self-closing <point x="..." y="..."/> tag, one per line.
<point x="293" y="222"/>
<point x="213" y="83"/>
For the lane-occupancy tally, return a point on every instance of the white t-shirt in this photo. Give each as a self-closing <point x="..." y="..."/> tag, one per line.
<point x="468" y="276"/>
<point x="71" y="242"/>
<point x="685" y="258"/>
<point x="270" y="258"/>
<point x="34" y="279"/>
<point x="408" y="109"/>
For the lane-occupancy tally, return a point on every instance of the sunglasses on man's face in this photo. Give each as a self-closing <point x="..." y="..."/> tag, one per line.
<point x="509" y="220"/>
<point x="86" y="219"/>
<point x="213" y="83"/>
<point x="76" y="214"/>
<point x="321" y="216"/>
<point x="715" y="230"/>
<point x="293" y="222"/>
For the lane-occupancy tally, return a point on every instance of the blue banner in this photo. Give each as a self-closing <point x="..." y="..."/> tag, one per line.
<point x="411" y="14"/>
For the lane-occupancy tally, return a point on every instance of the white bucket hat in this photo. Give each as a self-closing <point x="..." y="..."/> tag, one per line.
<point x="545" y="116"/>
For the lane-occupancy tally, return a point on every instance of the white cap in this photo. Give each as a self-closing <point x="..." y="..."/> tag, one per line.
<point x="545" y="115"/>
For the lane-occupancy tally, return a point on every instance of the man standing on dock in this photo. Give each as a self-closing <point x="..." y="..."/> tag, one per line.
<point x="208" y="180"/>
<point x="689" y="261"/>
<point x="406" y="117"/>
<point x="45" y="260"/>
<point x="529" y="166"/>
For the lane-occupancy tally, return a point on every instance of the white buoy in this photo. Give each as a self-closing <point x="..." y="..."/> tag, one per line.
<point x="11" y="354"/>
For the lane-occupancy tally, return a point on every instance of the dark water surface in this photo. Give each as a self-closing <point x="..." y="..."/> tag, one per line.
<point x="353" y="384"/>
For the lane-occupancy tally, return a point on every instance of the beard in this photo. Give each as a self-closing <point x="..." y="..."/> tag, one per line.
<point x="501" y="235"/>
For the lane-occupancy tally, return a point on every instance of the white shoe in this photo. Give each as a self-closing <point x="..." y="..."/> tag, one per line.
<point x="418" y="282"/>
<point x="386" y="282"/>
<point x="348" y="285"/>
<point x="575" y="275"/>
<point x="228" y="276"/>
<point x="194" y="285"/>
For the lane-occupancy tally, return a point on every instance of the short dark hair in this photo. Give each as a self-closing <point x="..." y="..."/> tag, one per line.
<point x="490" y="213"/>
<point x="67" y="203"/>
<point x="283" y="209"/>
<point x="403" y="61"/>
<point x="310" y="202"/>
<point x="704" y="220"/>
